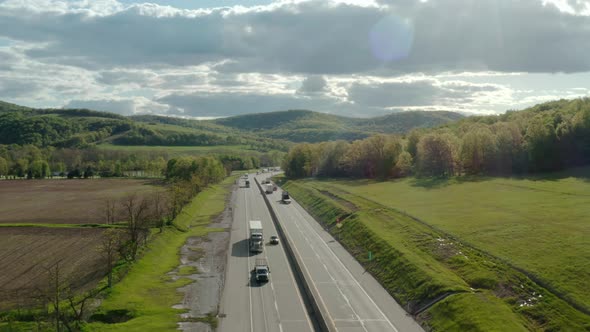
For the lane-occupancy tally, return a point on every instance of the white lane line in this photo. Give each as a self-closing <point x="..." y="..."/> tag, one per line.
<point x="346" y="269"/>
<point x="248" y="262"/>
<point x="294" y="283"/>
<point x="274" y="296"/>
<point x="357" y="317"/>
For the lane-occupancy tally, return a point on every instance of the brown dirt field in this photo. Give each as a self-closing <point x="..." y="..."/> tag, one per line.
<point x="26" y="253"/>
<point x="64" y="201"/>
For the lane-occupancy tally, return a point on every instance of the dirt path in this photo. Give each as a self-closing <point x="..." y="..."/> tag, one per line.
<point x="208" y="255"/>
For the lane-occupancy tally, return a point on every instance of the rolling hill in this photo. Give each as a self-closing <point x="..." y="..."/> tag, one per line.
<point x="309" y="126"/>
<point x="264" y="131"/>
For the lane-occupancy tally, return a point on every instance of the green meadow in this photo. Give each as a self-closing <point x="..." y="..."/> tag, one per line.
<point x="485" y="239"/>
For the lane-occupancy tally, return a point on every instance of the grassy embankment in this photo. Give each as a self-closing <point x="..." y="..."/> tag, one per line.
<point x="481" y="241"/>
<point x="147" y="293"/>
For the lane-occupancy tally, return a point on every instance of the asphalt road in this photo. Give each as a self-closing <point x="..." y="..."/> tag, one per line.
<point x="354" y="299"/>
<point x="245" y="305"/>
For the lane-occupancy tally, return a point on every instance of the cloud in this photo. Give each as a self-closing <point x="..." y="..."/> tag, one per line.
<point x="123" y="106"/>
<point x="309" y="37"/>
<point x="421" y="93"/>
<point x="14" y="88"/>
<point x="121" y="77"/>
<point x="346" y="56"/>
<point x="224" y="104"/>
<point x="313" y="85"/>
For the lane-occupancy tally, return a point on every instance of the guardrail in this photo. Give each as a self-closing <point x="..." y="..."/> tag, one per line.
<point x="320" y="311"/>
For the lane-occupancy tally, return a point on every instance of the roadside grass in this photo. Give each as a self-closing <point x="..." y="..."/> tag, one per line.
<point x="483" y="309"/>
<point x="146" y="293"/>
<point x="541" y="226"/>
<point x="417" y="264"/>
<point x="187" y="270"/>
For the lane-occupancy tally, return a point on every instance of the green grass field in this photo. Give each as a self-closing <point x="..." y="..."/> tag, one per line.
<point x="541" y="226"/>
<point x="147" y="292"/>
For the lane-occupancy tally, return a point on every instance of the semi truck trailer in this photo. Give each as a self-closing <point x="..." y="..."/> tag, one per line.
<point x="256" y="240"/>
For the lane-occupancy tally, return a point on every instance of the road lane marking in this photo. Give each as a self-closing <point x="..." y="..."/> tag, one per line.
<point x="358" y="318"/>
<point x="248" y="263"/>
<point x="345" y="268"/>
<point x="294" y="283"/>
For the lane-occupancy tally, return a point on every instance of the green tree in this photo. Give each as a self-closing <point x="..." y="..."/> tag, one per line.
<point x="403" y="166"/>
<point x="40" y="169"/>
<point x="478" y="150"/>
<point x="412" y="144"/>
<point x="437" y="155"/>
<point x="3" y="167"/>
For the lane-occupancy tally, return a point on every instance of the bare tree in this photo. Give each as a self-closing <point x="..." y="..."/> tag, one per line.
<point x="159" y="208"/>
<point x="110" y="211"/>
<point x="109" y="247"/>
<point x="52" y="294"/>
<point x="137" y="214"/>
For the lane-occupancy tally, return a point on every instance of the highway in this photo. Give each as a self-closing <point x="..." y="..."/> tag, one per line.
<point x="245" y="305"/>
<point x="354" y="300"/>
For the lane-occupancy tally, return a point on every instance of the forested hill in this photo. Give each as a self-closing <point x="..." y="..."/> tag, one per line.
<point x="544" y="138"/>
<point x="80" y="128"/>
<point x="268" y="131"/>
<point x="308" y="126"/>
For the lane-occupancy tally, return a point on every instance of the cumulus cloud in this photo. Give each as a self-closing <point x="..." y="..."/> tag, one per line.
<point x="13" y="88"/>
<point x="311" y="37"/>
<point x="313" y="85"/>
<point x="123" y="106"/>
<point x="119" y="77"/>
<point x="224" y="103"/>
<point x="324" y="55"/>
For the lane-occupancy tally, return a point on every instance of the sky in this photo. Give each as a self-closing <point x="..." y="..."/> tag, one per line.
<point x="360" y="58"/>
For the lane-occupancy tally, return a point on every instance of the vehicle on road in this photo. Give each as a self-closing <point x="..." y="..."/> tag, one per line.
<point x="285" y="198"/>
<point x="247" y="184"/>
<point x="256" y="240"/>
<point x="261" y="270"/>
<point x="266" y="181"/>
<point x="274" y="239"/>
<point x="269" y="188"/>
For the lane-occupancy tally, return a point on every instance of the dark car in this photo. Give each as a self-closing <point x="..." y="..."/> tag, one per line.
<point x="274" y="239"/>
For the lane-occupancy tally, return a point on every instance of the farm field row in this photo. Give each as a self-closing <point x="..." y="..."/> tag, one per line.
<point x="28" y="253"/>
<point x="65" y="201"/>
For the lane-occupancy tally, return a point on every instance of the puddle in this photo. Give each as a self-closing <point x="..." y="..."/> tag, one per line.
<point x="208" y="256"/>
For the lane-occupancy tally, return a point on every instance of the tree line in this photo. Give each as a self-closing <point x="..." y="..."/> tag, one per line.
<point x="547" y="137"/>
<point x="30" y="161"/>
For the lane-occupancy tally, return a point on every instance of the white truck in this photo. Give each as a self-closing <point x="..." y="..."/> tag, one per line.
<point x="269" y="188"/>
<point x="256" y="240"/>
<point x="261" y="270"/>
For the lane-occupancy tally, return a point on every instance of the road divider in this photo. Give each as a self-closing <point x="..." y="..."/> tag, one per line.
<point x="320" y="311"/>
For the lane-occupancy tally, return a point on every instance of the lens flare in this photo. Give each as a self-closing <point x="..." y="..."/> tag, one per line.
<point x="391" y="38"/>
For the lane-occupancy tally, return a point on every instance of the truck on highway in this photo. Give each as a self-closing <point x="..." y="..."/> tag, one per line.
<point x="256" y="240"/>
<point x="285" y="198"/>
<point x="269" y="188"/>
<point x="261" y="270"/>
